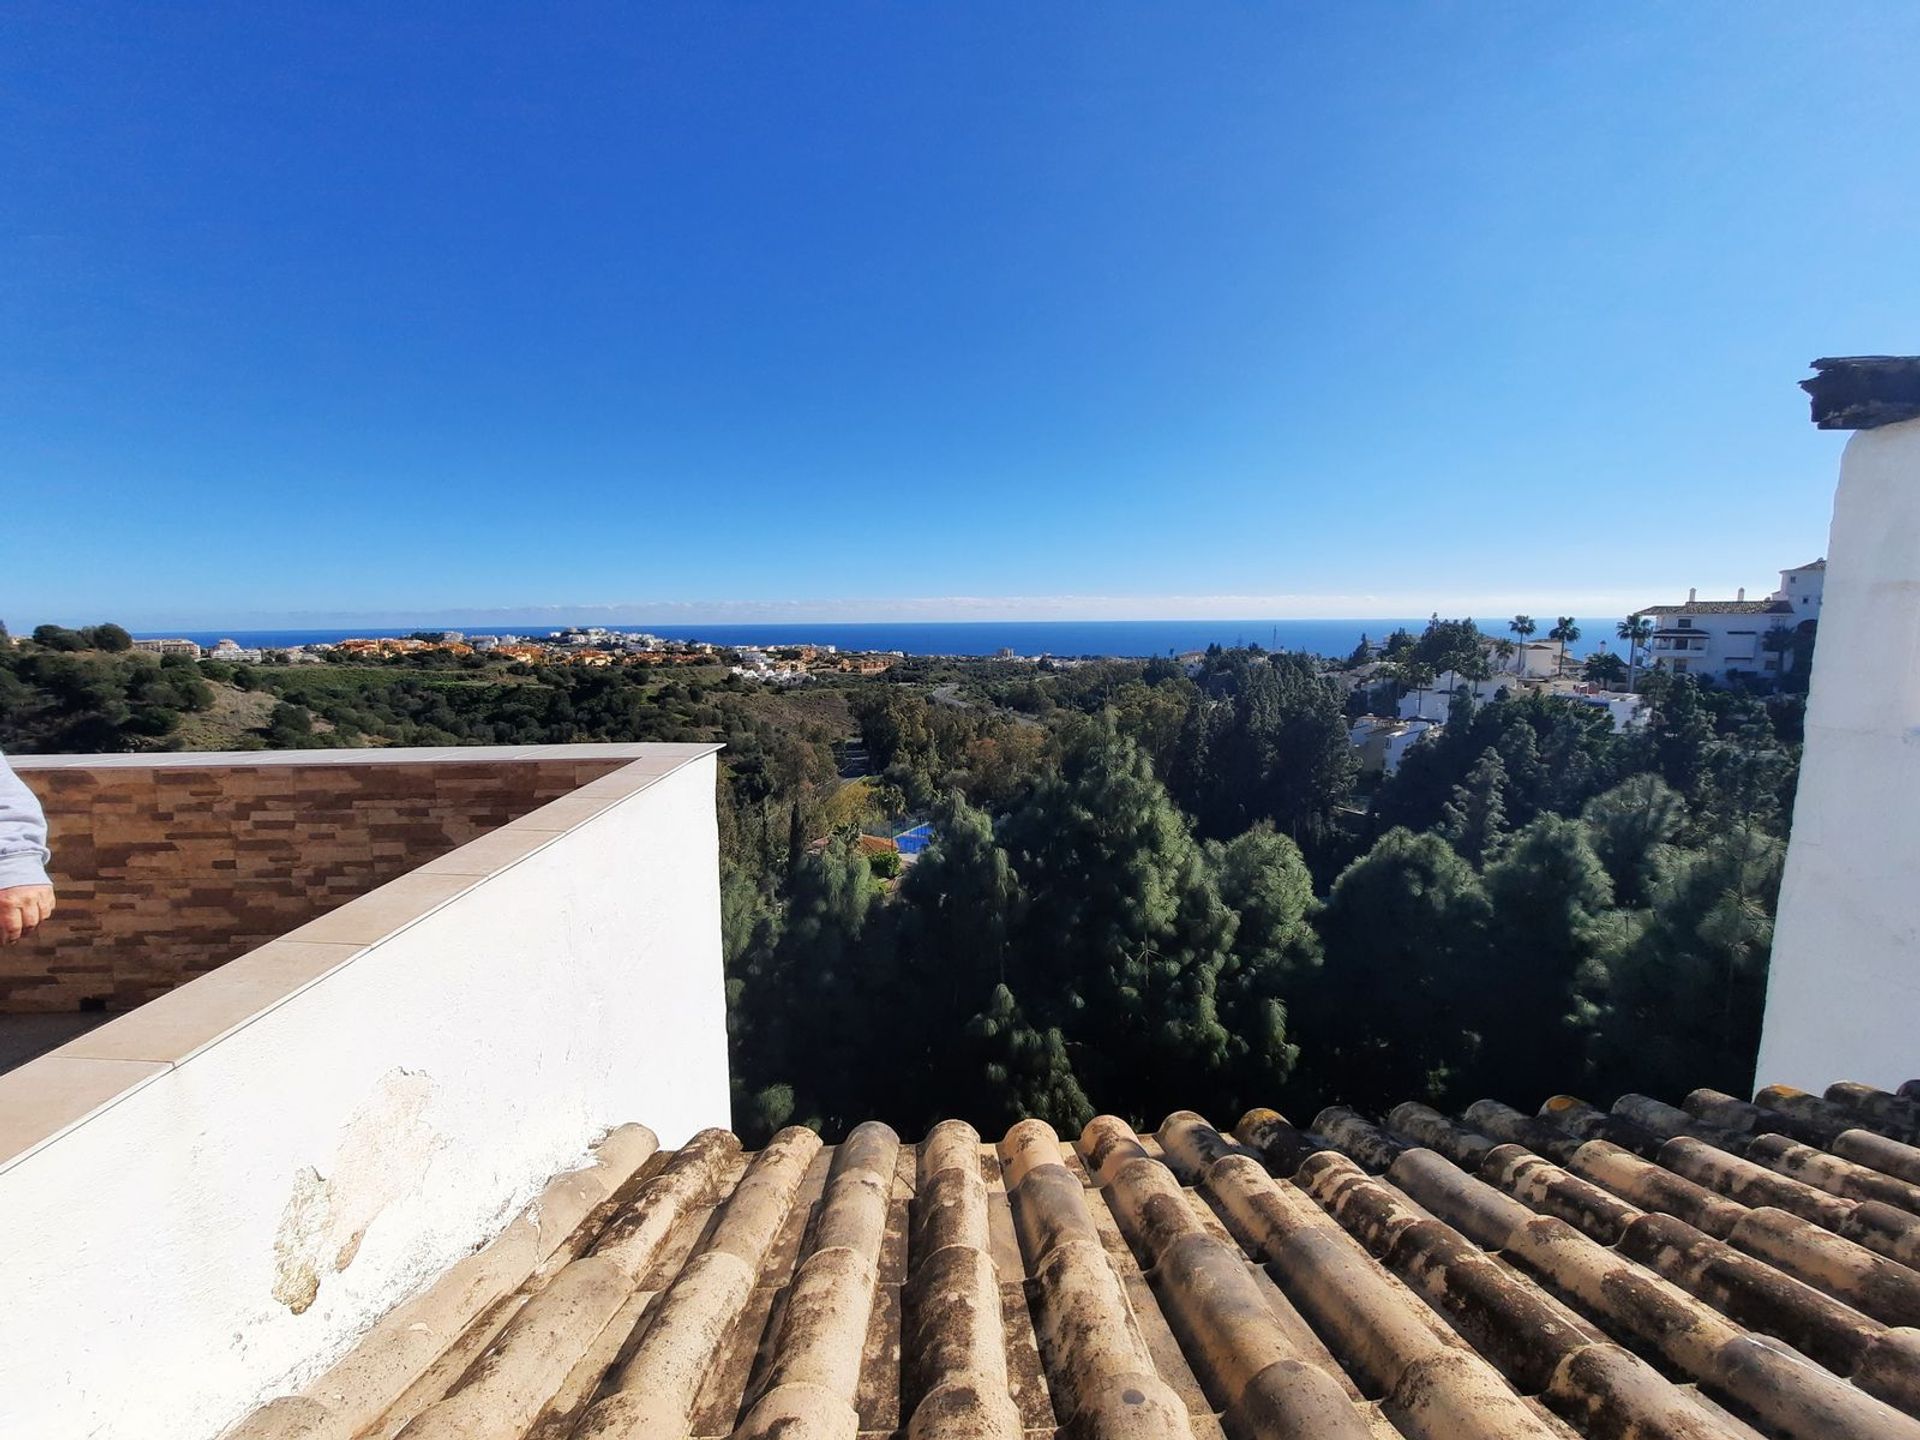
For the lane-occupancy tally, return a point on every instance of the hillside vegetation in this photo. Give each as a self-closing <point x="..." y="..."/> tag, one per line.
<point x="1146" y="887"/>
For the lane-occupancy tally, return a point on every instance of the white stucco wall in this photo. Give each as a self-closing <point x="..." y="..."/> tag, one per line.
<point x="1843" y="1000"/>
<point x="392" y="1115"/>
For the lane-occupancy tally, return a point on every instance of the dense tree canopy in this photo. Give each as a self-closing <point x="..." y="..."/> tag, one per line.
<point x="1150" y="884"/>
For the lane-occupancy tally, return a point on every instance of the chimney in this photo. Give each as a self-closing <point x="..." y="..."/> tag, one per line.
<point x="1741" y="593"/>
<point x="1692" y="592"/>
<point x="1848" y="908"/>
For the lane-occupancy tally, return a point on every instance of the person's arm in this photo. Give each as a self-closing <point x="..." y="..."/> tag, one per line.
<point x="26" y="894"/>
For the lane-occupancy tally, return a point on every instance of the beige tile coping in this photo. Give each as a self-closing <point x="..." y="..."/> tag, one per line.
<point x="64" y="1089"/>
<point x="667" y="754"/>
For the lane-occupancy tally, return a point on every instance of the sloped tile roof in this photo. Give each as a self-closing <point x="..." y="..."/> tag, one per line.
<point x="1717" y="1268"/>
<point x="1721" y="607"/>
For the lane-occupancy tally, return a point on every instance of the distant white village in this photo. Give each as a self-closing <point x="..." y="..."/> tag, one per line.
<point x="1722" y="641"/>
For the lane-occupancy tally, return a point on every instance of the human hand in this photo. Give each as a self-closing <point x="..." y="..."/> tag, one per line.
<point x="22" y="908"/>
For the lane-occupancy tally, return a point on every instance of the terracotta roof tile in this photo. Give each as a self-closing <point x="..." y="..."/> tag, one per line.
<point x="1718" y="1269"/>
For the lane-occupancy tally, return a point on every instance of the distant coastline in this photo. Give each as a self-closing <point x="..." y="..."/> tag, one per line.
<point x="1119" y="639"/>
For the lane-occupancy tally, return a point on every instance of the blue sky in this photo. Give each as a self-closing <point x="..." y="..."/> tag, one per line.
<point x="853" y="311"/>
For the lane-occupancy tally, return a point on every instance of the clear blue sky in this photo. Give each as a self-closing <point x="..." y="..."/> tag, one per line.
<point x="1354" y="309"/>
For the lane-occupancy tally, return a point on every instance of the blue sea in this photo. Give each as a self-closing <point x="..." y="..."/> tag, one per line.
<point x="1066" y="638"/>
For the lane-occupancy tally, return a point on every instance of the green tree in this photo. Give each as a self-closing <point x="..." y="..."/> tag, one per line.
<point x="960" y="905"/>
<point x="58" y="637"/>
<point x="796" y="841"/>
<point x="1685" y="998"/>
<point x="1631" y="828"/>
<point x="1416" y="675"/>
<point x="1026" y="1068"/>
<point x="1453" y="645"/>
<point x="1267" y="741"/>
<point x="1681" y="733"/>
<point x="1275" y="955"/>
<point x="809" y="1004"/>
<point x="1552" y="937"/>
<point x="289" y="727"/>
<point x="1405" y="933"/>
<point x="1636" y="630"/>
<point x="1566" y="632"/>
<point x="109" y="637"/>
<point x="1607" y="670"/>
<point x="1523" y="626"/>
<point x="1125" y="933"/>
<point x="1475" y="819"/>
<point x="1778" y="642"/>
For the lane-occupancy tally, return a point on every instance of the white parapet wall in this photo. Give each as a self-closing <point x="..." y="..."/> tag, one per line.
<point x="1843" y="997"/>
<point x="237" y="1179"/>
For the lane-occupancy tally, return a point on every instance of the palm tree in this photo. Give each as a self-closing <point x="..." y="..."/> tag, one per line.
<point x="1565" y="632"/>
<point x="1417" y="675"/>
<point x="1777" y="642"/>
<point x="1523" y="626"/>
<point x="1636" y="630"/>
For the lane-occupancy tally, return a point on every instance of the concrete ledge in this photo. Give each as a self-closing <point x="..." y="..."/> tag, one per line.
<point x="43" y="1099"/>
<point x="292" y="1144"/>
<point x="170" y="865"/>
<point x="657" y="755"/>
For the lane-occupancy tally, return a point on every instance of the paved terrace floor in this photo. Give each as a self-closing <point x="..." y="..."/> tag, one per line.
<point x="1718" y="1269"/>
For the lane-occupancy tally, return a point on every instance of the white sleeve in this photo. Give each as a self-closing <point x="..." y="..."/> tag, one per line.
<point x="23" y="833"/>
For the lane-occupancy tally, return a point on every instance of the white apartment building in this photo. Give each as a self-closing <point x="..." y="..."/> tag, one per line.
<point x="1722" y="639"/>
<point x="1384" y="743"/>
<point x="1534" y="660"/>
<point x="1436" y="701"/>
<point x="168" y="647"/>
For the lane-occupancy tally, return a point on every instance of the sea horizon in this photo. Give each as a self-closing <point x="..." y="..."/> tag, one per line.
<point x="969" y="639"/>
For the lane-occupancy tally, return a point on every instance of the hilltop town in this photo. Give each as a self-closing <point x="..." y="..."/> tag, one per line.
<point x="595" y="647"/>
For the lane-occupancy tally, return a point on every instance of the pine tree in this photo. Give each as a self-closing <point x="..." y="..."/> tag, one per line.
<point x="1023" y="1069"/>
<point x="1274" y="958"/>
<point x="1631" y="827"/>
<point x="1685" y="998"/>
<point x="1405" y="931"/>
<point x="1475" y="820"/>
<point x="959" y="906"/>
<point x="796" y="843"/>
<point x="1551" y="943"/>
<point x="1124" y="933"/>
<point x="808" y="1002"/>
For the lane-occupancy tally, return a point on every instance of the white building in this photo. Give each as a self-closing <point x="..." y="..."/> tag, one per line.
<point x="1804" y="587"/>
<point x="1436" y="701"/>
<point x="1627" y="710"/>
<point x="168" y="647"/>
<point x="1534" y="660"/>
<point x="1723" y="639"/>
<point x="1384" y="743"/>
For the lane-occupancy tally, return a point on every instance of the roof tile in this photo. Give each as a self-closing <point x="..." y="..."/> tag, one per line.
<point x="1652" y="1271"/>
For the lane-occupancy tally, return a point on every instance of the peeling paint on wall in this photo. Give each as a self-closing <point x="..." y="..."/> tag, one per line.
<point x="383" y="1154"/>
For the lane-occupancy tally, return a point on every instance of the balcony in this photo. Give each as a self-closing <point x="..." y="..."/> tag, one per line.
<point x="371" y="1002"/>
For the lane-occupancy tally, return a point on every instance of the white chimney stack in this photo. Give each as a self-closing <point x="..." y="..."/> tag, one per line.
<point x="1841" y="988"/>
<point x="1741" y="593"/>
<point x="1692" y="591"/>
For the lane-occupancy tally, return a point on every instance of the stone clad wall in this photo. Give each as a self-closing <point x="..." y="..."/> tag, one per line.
<point x="165" y="871"/>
